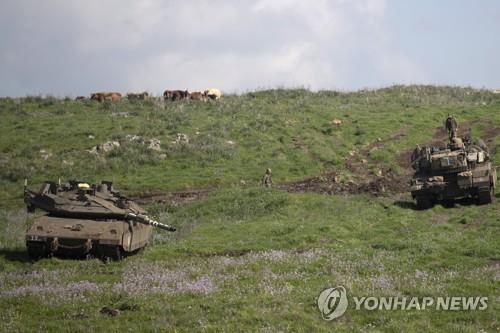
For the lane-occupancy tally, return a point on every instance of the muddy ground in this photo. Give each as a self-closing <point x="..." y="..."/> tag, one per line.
<point x="382" y="181"/>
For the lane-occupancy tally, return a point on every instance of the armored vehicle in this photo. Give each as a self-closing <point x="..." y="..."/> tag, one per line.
<point x="84" y="220"/>
<point x="462" y="169"/>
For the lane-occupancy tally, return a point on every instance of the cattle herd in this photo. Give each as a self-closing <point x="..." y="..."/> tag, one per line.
<point x="168" y="95"/>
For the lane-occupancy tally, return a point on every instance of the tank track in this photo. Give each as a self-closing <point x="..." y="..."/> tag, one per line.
<point x="486" y="197"/>
<point x="37" y="250"/>
<point x="109" y="252"/>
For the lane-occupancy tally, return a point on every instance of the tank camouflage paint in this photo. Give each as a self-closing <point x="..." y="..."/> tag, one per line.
<point x="462" y="169"/>
<point x="85" y="220"/>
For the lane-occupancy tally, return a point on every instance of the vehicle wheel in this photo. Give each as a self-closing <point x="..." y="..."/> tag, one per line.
<point x="423" y="203"/>
<point x="486" y="197"/>
<point x="37" y="250"/>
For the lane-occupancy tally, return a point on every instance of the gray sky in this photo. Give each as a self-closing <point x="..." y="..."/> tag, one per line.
<point x="75" y="47"/>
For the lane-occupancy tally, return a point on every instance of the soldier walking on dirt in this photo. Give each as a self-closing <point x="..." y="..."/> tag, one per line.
<point x="267" y="180"/>
<point x="451" y="126"/>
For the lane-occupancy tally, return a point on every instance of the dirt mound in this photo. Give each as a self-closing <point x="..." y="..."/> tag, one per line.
<point x="324" y="184"/>
<point x="329" y="183"/>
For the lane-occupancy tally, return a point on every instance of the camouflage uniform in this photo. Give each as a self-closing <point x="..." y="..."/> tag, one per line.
<point x="451" y="127"/>
<point x="267" y="180"/>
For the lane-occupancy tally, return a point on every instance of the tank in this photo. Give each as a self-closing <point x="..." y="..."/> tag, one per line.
<point x="462" y="169"/>
<point x="86" y="220"/>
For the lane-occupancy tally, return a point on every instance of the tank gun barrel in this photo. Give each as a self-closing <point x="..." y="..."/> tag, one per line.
<point x="146" y="220"/>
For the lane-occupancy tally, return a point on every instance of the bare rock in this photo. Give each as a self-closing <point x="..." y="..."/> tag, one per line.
<point x="104" y="147"/>
<point x="134" y="138"/>
<point x="181" y="138"/>
<point x="154" y="144"/>
<point x="108" y="146"/>
<point x="44" y="154"/>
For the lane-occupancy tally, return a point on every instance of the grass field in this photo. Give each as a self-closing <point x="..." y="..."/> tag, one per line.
<point x="247" y="258"/>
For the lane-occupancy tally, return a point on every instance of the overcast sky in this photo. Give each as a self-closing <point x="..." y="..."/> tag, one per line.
<point x="76" y="47"/>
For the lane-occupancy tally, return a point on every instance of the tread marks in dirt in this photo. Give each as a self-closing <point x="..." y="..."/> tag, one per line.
<point x="386" y="181"/>
<point x="364" y="180"/>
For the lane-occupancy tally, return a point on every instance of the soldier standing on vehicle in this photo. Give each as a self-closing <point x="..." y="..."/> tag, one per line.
<point x="451" y="126"/>
<point x="267" y="180"/>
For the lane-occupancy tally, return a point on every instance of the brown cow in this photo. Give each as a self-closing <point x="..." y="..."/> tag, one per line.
<point x="167" y="94"/>
<point x="175" y="95"/>
<point x="106" y="96"/>
<point x="97" y="97"/>
<point x="198" y="96"/>
<point x="138" y="96"/>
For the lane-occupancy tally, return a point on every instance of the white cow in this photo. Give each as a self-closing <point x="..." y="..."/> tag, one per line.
<point x="213" y="93"/>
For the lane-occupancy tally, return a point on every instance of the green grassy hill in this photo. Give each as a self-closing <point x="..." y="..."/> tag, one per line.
<point x="247" y="258"/>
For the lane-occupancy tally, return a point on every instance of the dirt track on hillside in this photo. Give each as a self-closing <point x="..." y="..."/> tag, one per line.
<point x="382" y="181"/>
<point x="385" y="180"/>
